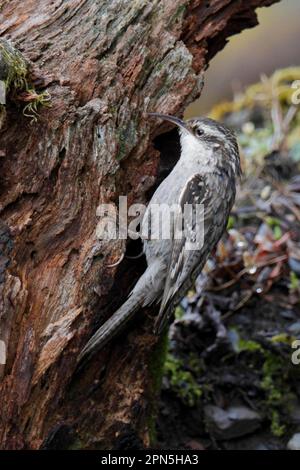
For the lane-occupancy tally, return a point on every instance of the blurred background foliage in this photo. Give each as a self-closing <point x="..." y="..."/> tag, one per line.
<point x="271" y="45"/>
<point x="229" y="381"/>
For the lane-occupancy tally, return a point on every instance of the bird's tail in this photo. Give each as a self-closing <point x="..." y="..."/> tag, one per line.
<point x="112" y="326"/>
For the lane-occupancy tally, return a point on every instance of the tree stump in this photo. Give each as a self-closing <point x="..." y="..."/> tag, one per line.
<point x="105" y="64"/>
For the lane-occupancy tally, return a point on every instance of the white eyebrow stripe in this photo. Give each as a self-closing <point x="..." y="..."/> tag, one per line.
<point x="212" y="131"/>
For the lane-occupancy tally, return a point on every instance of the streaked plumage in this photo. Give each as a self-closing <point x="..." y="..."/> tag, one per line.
<point x="205" y="174"/>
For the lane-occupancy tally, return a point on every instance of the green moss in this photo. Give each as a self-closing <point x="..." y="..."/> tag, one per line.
<point x="14" y="67"/>
<point x="243" y="345"/>
<point x="277" y="393"/>
<point x="195" y="364"/>
<point x="274" y="224"/>
<point x="231" y="222"/>
<point x="275" y="383"/>
<point x="179" y="312"/>
<point x="278" y="429"/>
<point x="183" y="382"/>
<point x="283" y="338"/>
<point x="14" y="72"/>
<point x="294" y="281"/>
<point x="248" y="345"/>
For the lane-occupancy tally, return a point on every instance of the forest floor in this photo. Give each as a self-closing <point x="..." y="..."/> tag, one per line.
<point x="231" y="378"/>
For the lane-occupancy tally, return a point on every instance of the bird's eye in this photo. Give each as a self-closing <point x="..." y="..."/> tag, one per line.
<point x="199" y="132"/>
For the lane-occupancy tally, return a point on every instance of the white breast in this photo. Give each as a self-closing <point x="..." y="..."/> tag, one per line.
<point x="194" y="153"/>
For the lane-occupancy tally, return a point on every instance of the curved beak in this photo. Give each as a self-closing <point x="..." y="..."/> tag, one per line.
<point x="175" y="120"/>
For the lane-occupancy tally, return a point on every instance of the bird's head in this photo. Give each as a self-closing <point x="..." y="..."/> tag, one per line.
<point x="206" y="135"/>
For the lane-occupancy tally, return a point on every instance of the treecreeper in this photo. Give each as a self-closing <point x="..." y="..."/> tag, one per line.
<point x="204" y="177"/>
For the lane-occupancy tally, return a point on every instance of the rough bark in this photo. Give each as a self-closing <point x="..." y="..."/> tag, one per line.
<point x="105" y="63"/>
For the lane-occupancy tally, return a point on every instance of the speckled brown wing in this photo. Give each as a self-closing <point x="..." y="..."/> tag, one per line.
<point x="182" y="259"/>
<point x="212" y="193"/>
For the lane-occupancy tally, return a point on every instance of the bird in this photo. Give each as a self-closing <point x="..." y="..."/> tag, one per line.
<point x="205" y="176"/>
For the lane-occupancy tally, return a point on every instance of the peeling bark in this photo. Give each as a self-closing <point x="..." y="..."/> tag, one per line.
<point x="105" y="63"/>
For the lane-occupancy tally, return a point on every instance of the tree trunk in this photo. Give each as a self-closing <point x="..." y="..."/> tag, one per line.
<point x="105" y="64"/>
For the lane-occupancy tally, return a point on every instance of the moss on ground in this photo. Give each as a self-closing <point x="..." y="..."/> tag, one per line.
<point x="182" y="381"/>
